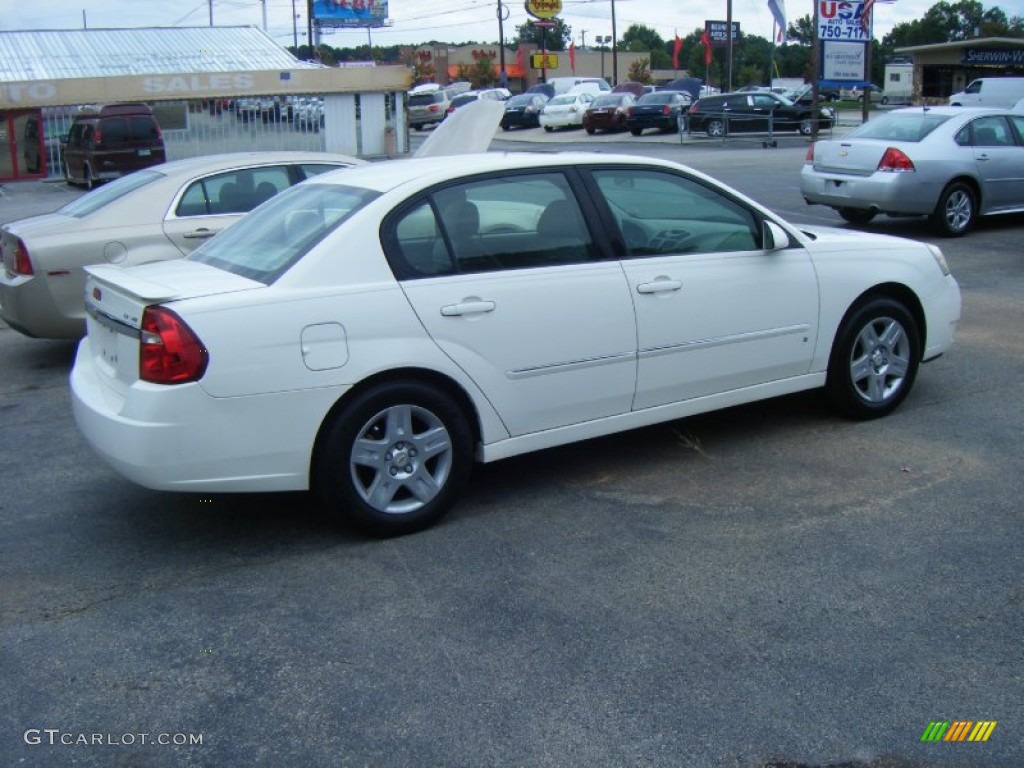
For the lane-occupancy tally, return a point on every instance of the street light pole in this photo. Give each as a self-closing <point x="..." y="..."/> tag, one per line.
<point x="615" y="52"/>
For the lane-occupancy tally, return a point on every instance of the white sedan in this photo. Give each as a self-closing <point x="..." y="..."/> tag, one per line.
<point x="163" y="212"/>
<point x="566" y="111"/>
<point x="371" y="333"/>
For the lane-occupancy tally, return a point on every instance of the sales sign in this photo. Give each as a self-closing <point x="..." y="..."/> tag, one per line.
<point x="842" y="20"/>
<point x="718" y="32"/>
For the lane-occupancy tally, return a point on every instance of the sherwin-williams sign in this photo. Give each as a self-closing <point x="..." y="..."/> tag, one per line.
<point x="543" y="9"/>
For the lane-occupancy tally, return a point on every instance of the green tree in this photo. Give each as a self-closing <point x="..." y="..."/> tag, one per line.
<point x="640" y="39"/>
<point x="556" y="39"/>
<point x="639" y="72"/>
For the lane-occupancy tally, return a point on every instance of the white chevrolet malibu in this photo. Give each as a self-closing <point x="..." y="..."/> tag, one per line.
<point x="371" y="333"/>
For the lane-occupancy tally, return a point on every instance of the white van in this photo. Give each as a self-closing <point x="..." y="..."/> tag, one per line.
<point x="565" y="84"/>
<point x="990" y="92"/>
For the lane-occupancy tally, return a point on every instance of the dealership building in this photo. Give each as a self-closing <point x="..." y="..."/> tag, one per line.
<point x="214" y="89"/>
<point x="942" y="69"/>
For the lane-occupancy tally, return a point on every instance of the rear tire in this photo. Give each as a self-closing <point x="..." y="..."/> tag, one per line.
<point x="856" y="215"/>
<point x="956" y="211"/>
<point x="874" y="360"/>
<point x="394" y="459"/>
<point x="716" y="129"/>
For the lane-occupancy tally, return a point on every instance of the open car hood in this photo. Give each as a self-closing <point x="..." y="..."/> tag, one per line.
<point x="468" y="130"/>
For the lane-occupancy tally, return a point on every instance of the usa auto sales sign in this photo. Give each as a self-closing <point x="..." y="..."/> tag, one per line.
<point x="842" y="20"/>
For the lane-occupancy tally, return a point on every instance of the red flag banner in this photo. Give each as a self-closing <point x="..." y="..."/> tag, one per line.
<point x="676" y="48"/>
<point x="572" y="56"/>
<point x="706" y="42"/>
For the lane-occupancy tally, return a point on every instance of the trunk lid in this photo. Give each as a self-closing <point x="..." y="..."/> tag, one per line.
<point x="855" y="158"/>
<point x="115" y="300"/>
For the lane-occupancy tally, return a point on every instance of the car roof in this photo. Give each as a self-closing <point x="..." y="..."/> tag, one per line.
<point x="385" y="176"/>
<point x="212" y="163"/>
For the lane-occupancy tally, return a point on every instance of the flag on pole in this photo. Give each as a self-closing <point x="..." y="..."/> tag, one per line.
<point x="706" y="42"/>
<point x="778" y="9"/>
<point x="865" y="16"/>
<point x="676" y="48"/>
<point x="572" y="56"/>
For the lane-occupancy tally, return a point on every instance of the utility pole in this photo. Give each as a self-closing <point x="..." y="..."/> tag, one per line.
<point x="295" y="29"/>
<point x="211" y="12"/>
<point x="502" y="76"/>
<point x="309" y="28"/>
<point x="615" y="50"/>
<point x="583" y="39"/>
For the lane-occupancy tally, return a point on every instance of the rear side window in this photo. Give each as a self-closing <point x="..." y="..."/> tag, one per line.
<point x="513" y="222"/>
<point x="237" y="191"/>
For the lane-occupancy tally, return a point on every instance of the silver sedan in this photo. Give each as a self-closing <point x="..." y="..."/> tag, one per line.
<point x="952" y="164"/>
<point x="160" y="213"/>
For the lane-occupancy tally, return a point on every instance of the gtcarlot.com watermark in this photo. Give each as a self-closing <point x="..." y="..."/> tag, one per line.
<point x="56" y="737"/>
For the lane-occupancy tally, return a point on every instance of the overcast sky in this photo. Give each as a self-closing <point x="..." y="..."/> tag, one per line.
<point x="417" y="21"/>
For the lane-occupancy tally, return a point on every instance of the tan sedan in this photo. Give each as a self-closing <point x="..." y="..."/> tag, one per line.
<point x="155" y="214"/>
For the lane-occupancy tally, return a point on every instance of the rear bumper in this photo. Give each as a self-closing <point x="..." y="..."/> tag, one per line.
<point x="903" y="193"/>
<point x="180" y="438"/>
<point x="27" y="305"/>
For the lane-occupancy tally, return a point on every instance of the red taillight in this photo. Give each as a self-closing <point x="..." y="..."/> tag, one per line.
<point x="434" y="108"/>
<point x="169" y="352"/>
<point x="693" y="110"/>
<point x="22" y="263"/>
<point x="809" y="157"/>
<point x="895" y="161"/>
<point x="666" y="109"/>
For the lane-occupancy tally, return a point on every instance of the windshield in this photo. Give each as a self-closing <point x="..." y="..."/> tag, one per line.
<point x="562" y="100"/>
<point x="108" y="193"/>
<point x="899" y="126"/>
<point x="608" y="101"/>
<point x="263" y="245"/>
<point x="425" y="99"/>
<point x="521" y="99"/>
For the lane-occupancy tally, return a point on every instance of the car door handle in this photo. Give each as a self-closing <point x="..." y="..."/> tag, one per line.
<point x="199" y="233"/>
<point x="659" y="286"/>
<point x="468" y="307"/>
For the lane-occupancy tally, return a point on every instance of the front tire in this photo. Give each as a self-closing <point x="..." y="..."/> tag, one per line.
<point x="875" y="359"/>
<point x="956" y="211"/>
<point x="806" y="127"/>
<point x="394" y="459"/>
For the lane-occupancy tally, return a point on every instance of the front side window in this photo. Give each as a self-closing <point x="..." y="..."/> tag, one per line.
<point x="264" y="247"/>
<point x="661" y="213"/>
<point x="512" y="222"/>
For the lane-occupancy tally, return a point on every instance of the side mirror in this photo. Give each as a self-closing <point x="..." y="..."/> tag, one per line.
<point x="773" y="236"/>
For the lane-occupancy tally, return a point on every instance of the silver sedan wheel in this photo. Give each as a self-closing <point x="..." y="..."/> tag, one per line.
<point x="880" y="360"/>
<point x="401" y="459"/>
<point x="958" y="210"/>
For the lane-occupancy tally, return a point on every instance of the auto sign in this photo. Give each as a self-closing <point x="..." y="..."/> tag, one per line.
<point x="543" y="9"/>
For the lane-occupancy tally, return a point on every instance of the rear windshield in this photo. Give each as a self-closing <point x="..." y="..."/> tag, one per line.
<point x="264" y="247"/>
<point x="108" y="193"/>
<point x="426" y="99"/>
<point x="899" y="126"/>
<point x="657" y="98"/>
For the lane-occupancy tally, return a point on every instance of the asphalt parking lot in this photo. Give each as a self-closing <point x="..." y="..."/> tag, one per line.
<point x="765" y="586"/>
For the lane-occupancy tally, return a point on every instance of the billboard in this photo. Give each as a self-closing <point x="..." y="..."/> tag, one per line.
<point x="718" y="32"/>
<point x="350" y="13"/>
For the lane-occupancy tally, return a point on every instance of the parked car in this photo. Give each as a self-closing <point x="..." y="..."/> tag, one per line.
<point x="545" y="89"/>
<point x="690" y="85"/>
<point x="523" y="111"/>
<point x="495" y="94"/>
<point x="428" y="107"/>
<point x="568" y="83"/>
<point x="660" y="110"/>
<point x="264" y="362"/>
<point x="154" y="214"/>
<point x="952" y="164"/>
<point x="1001" y="92"/>
<point x="637" y="89"/>
<point x="877" y="95"/>
<point x="111" y="141"/>
<point x="607" y="112"/>
<point x="753" y="112"/>
<point x="565" y="111"/>
<point x="804" y="94"/>
<point x="308" y="114"/>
